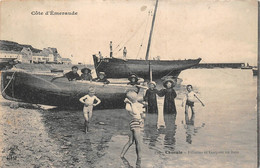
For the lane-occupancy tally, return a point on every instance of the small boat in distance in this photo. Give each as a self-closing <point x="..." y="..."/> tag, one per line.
<point x="122" y="68"/>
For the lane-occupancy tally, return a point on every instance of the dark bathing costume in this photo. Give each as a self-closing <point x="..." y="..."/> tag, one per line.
<point x="150" y="97"/>
<point x="189" y="103"/>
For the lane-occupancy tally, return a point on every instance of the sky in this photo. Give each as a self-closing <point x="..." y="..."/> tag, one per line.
<point x="214" y="30"/>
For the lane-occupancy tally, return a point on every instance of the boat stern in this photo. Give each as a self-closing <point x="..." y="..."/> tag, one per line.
<point x="7" y="83"/>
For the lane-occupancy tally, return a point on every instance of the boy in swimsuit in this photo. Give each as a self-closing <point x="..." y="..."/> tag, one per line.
<point x="89" y="102"/>
<point x="189" y="99"/>
<point x="135" y="109"/>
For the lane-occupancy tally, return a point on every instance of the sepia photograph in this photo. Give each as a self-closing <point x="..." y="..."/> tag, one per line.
<point x="129" y="83"/>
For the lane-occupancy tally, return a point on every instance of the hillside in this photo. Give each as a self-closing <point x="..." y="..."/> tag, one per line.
<point x="13" y="46"/>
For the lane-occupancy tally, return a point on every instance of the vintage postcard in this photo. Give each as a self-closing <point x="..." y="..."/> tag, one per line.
<point x="129" y="83"/>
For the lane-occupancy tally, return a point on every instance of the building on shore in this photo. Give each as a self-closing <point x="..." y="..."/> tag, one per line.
<point x="9" y="54"/>
<point x="28" y="54"/>
<point x="66" y="60"/>
<point x="47" y="55"/>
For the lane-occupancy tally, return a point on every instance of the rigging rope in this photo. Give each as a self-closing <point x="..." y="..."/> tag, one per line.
<point x="99" y="64"/>
<point x="131" y="36"/>
<point x="128" y="32"/>
<point x="149" y="14"/>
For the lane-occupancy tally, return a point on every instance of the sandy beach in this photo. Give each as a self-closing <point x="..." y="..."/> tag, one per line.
<point x="55" y="138"/>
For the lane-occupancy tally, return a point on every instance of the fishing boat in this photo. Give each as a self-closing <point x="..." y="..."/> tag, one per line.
<point x="37" y="88"/>
<point x="255" y="71"/>
<point x="122" y="68"/>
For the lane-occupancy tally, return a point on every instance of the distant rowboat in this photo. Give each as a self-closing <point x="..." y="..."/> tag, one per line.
<point x="37" y="89"/>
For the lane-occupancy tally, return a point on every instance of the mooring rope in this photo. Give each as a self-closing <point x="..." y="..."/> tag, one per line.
<point x="8" y="83"/>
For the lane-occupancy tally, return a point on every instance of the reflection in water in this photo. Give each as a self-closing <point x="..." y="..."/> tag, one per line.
<point x="190" y="129"/>
<point x="153" y="136"/>
<point x="170" y="131"/>
<point x="150" y="129"/>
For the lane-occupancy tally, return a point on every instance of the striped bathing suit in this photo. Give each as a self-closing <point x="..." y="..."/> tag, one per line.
<point x="136" y="123"/>
<point x="136" y="110"/>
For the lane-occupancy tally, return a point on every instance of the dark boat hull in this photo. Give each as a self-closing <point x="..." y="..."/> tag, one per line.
<point x="37" y="89"/>
<point x="119" y="68"/>
<point x="6" y="63"/>
<point x="255" y="72"/>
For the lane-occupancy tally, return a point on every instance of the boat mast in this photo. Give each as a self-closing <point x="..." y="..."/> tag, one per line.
<point x="151" y="32"/>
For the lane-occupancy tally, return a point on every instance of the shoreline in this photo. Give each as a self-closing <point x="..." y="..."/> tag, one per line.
<point x="55" y="138"/>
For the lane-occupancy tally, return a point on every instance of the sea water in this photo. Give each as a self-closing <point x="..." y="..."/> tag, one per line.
<point x="221" y="134"/>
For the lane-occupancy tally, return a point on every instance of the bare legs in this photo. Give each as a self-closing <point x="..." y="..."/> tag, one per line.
<point x="86" y="124"/>
<point x="137" y="138"/>
<point x="87" y="115"/>
<point x="127" y="145"/>
<point x="187" y="109"/>
<point x="134" y="137"/>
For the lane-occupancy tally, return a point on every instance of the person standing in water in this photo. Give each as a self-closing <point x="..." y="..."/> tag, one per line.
<point x="151" y="98"/>
<point x="135" y="110"/>
<point x="169" y="96"/>
<point x="189" y="100"/>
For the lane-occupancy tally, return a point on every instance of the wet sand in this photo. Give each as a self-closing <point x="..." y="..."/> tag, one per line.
<point x="55" y="138"/>
<point x="34" y="137"/>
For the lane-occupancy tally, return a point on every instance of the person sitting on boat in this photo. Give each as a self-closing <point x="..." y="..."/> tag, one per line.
<point x="73" y="74"/>
<point x="133" y="80"/>
<point x="101" y="78"/>
<point x="86" y="74"/>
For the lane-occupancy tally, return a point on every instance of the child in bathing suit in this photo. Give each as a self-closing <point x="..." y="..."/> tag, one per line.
<point x="135" y="110"/>
<point x="189" y="99"/>
<point x="88" y="101"/>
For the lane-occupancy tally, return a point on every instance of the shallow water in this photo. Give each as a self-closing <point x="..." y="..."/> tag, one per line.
<point x="221" y="134"/>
